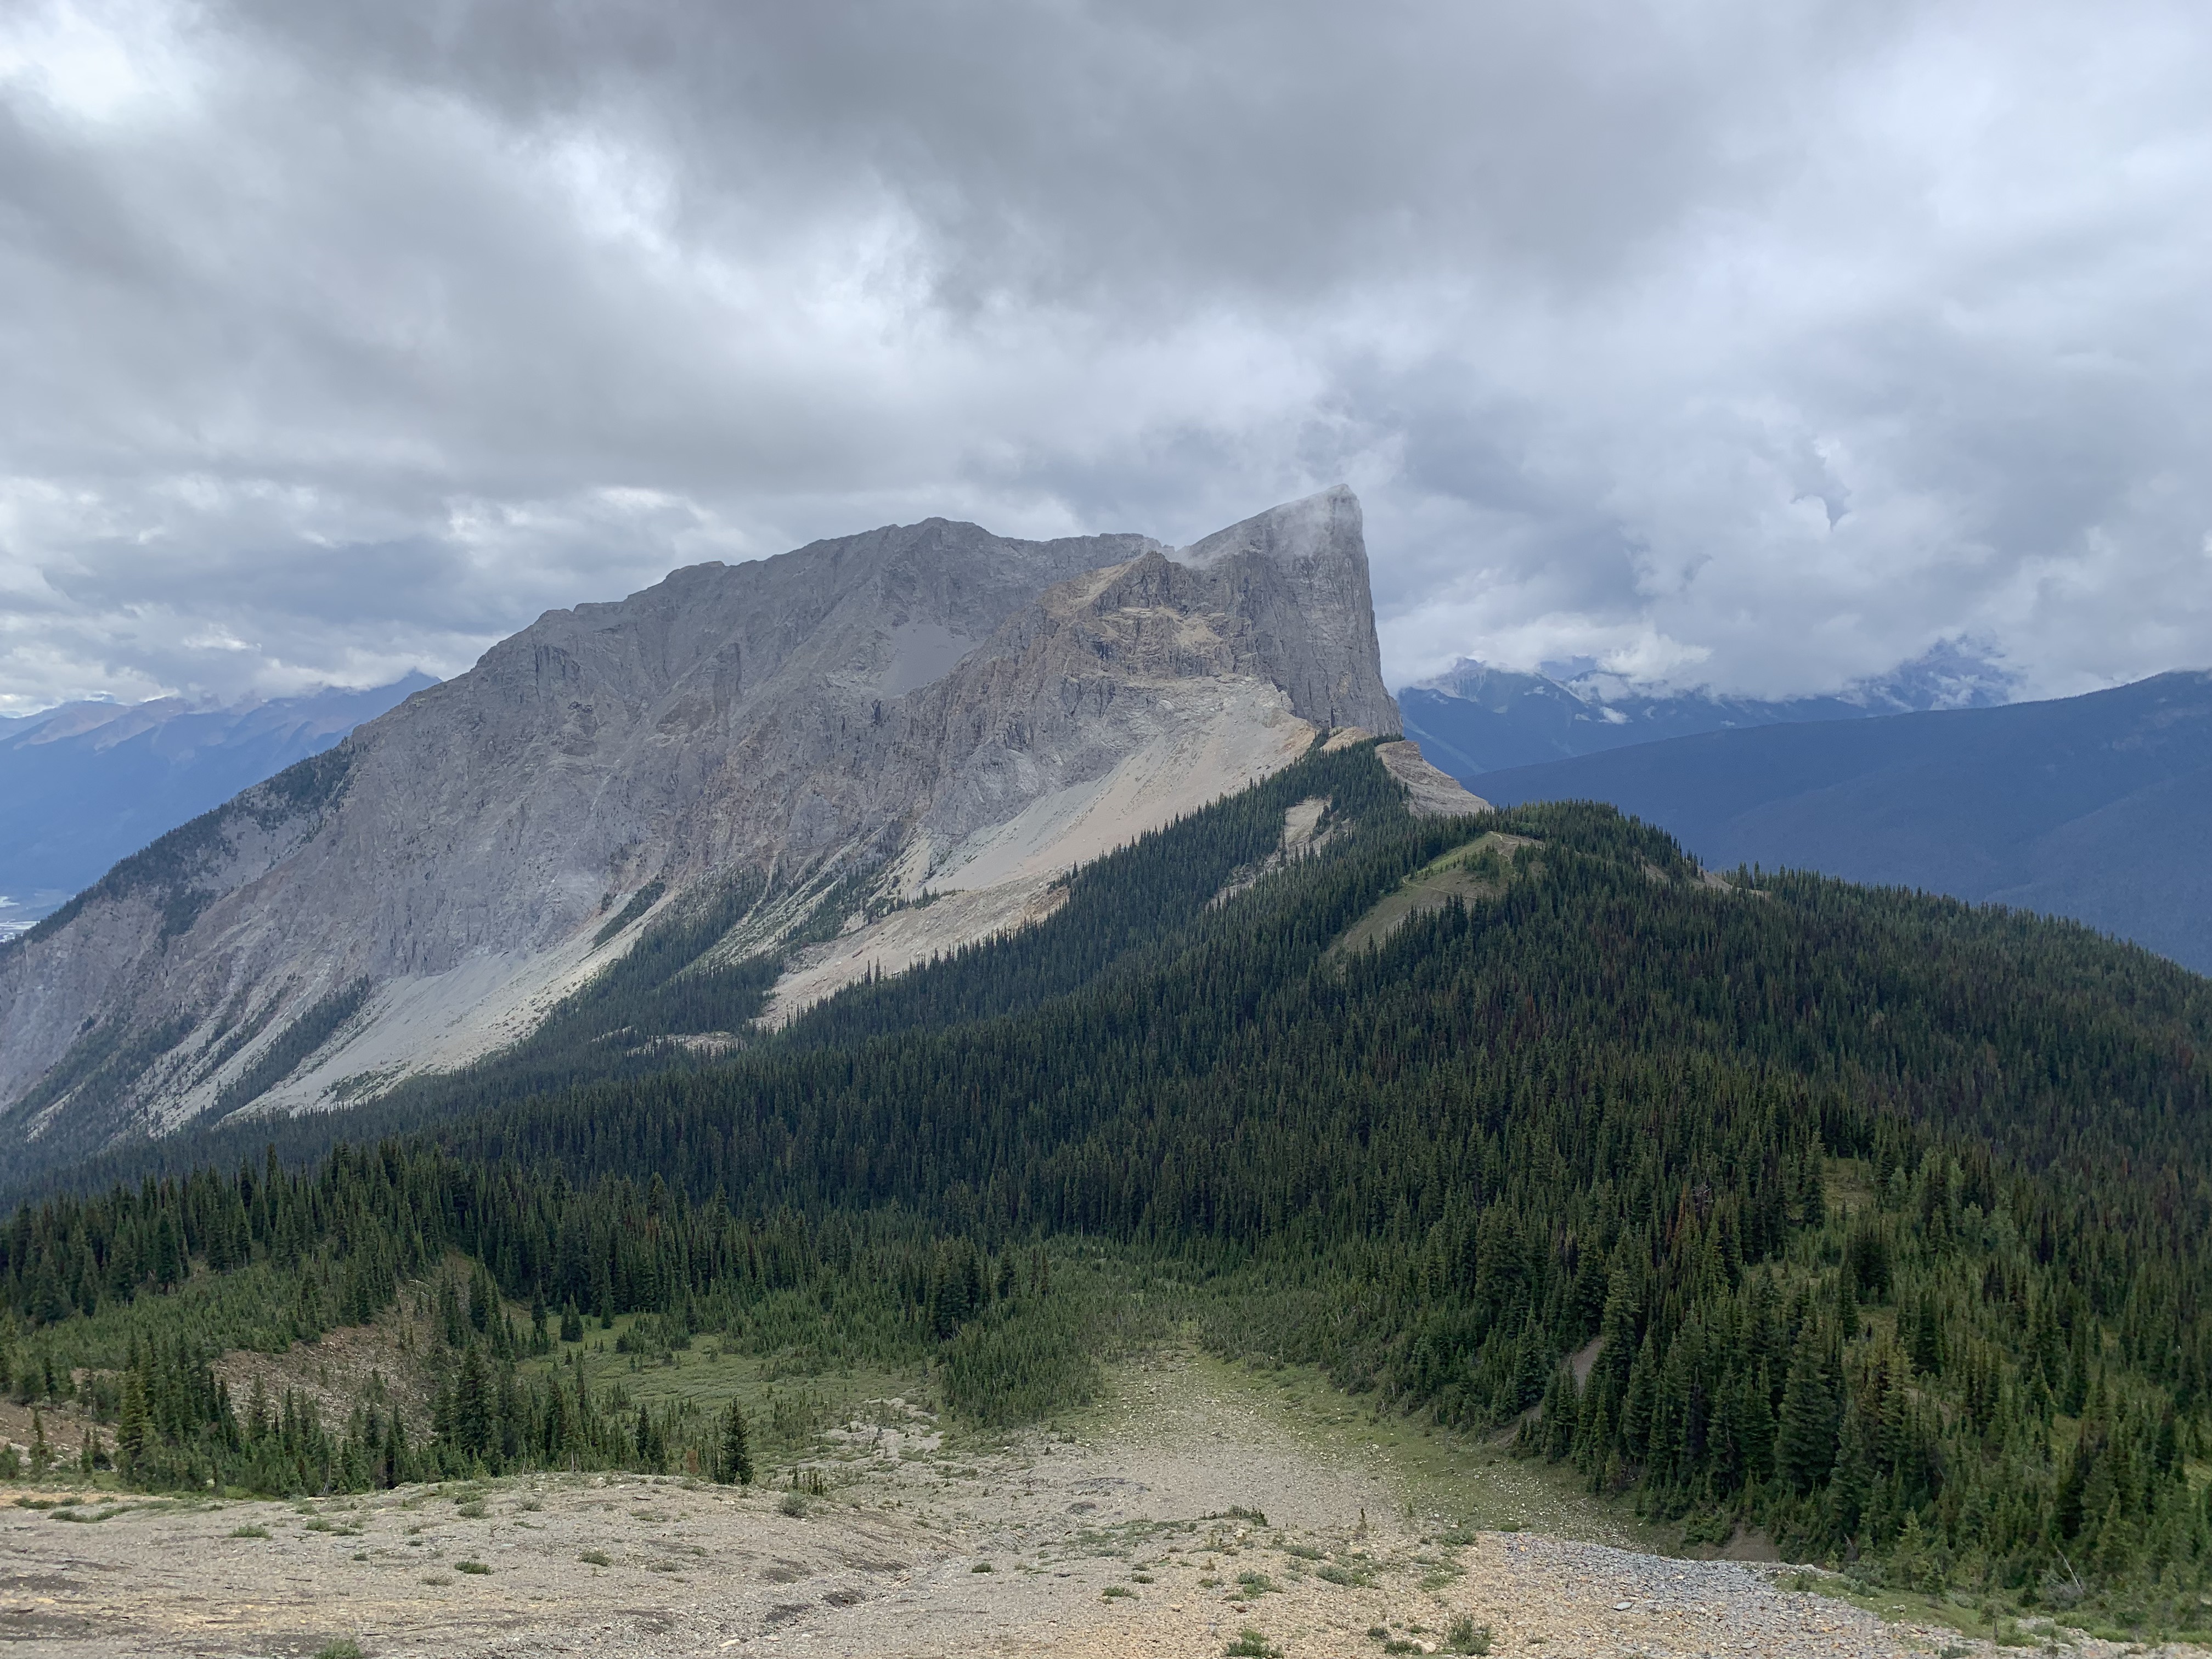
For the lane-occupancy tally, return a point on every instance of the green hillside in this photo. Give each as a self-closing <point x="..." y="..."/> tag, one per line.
<point x="1887" y="1216"/>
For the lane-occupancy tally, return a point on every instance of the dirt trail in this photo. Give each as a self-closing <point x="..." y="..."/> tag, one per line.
<point x="1142" y="1535"/>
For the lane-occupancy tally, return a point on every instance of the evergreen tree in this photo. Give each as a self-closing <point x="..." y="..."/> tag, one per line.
<point x="472" y="1405"/>
<point x="1805" y="1437"/>
<point x="133" y="1424"/>
<point x="168" y="1253"/>
<point x="1850" y="1480"/>
<point x="735" y="1465"/>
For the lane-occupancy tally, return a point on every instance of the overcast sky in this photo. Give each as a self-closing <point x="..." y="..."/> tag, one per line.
<point x="1751" y="344"/>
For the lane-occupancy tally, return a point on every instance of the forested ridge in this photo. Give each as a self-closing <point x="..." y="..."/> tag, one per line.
<point x="1887" y="1216"/>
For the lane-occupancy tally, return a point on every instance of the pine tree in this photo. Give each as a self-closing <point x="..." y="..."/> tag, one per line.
<point x="734" y="1467"/>
<point x="484" y="1300"/>
<point x="1851" y="1479"/>
<point x="1805" y="1439"/>
<point x="1815" y="1191"/>
<point x="472" y="1405"/>
<point x="133" y="1424"/>
<point x="1636" y="1404"/>
<point x="1670" y="1414"/>
<point x="452" y="1323"/>
<point x="651" y="1444"/>
<point x="1558" y="1414"/>
<point x="169" y="1255"/>
<point x="2115" y="1557"/>
<point x="1925" y="1344"/>
<point x="393" y="1460"/>
<point x="1724" y="1432"/>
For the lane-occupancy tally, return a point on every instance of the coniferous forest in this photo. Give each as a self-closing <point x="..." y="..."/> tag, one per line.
<point x="1871" y="1219"/>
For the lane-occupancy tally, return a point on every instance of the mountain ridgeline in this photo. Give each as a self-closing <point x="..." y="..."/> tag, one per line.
<point x="887" y="746"/>
<point x="1872" y="1220"/>
<point x="2093" y="807"/>
<point x="1475" y="719"/>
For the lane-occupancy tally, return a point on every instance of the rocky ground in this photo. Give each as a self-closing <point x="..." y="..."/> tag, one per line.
<point x="1188" y="1512"/>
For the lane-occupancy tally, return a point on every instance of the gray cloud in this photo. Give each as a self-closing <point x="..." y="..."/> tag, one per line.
<point x="1728" y="344"/>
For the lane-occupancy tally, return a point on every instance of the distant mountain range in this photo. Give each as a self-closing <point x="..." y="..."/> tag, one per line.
<point x="85" y="784"/>
<point x="1475" y="719"/>
<point x="2096" y="807"/>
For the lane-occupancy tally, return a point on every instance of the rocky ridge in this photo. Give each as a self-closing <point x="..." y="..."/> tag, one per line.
<point x="919" y="711"/>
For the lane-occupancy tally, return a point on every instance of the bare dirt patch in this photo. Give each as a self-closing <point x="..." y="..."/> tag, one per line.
<point x="340" y="1367"/>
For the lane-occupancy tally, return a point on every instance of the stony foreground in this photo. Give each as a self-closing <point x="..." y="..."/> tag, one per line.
<point x="1148" y="1538"/>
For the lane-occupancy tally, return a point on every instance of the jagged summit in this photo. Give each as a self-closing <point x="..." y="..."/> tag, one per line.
<point x="924" y="710"/>
<point x="1300" y="567"/>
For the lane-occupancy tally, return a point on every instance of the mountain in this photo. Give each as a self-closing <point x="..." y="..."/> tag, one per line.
<point x="2093" y="807"/>
<point x="83" y="784"/>
<point x="1474" y="719"/>
<point x="791" y="774"/>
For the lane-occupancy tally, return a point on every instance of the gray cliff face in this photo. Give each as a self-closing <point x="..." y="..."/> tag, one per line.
<point x="879" y="703"/>
<point x="1299" y="572"/>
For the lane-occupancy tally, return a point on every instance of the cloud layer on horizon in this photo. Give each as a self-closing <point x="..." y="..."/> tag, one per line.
<point x="1726" y="344"/>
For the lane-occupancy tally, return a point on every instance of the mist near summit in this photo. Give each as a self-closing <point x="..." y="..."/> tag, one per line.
<point x="1718" y="345"/>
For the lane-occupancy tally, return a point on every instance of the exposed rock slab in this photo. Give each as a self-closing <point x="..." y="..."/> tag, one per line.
<point x="1428" y="793"/>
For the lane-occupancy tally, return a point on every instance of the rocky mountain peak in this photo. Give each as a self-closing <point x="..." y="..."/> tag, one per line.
<point x="920" y="710"/>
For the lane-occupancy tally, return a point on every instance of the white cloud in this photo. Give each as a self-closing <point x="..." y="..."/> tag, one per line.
<point x="1713" y="341"/>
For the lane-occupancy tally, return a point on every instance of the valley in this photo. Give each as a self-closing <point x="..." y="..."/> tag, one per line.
<point x="934" y="1053"/>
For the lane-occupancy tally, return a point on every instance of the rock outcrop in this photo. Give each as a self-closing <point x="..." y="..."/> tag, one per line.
<point x="921" y="709"/>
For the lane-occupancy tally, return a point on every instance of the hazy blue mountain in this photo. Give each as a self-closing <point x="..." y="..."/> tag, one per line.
<point x="1476" y="718"/>
<point x="87" y="783"/>
<point x="2097" y="807"/>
